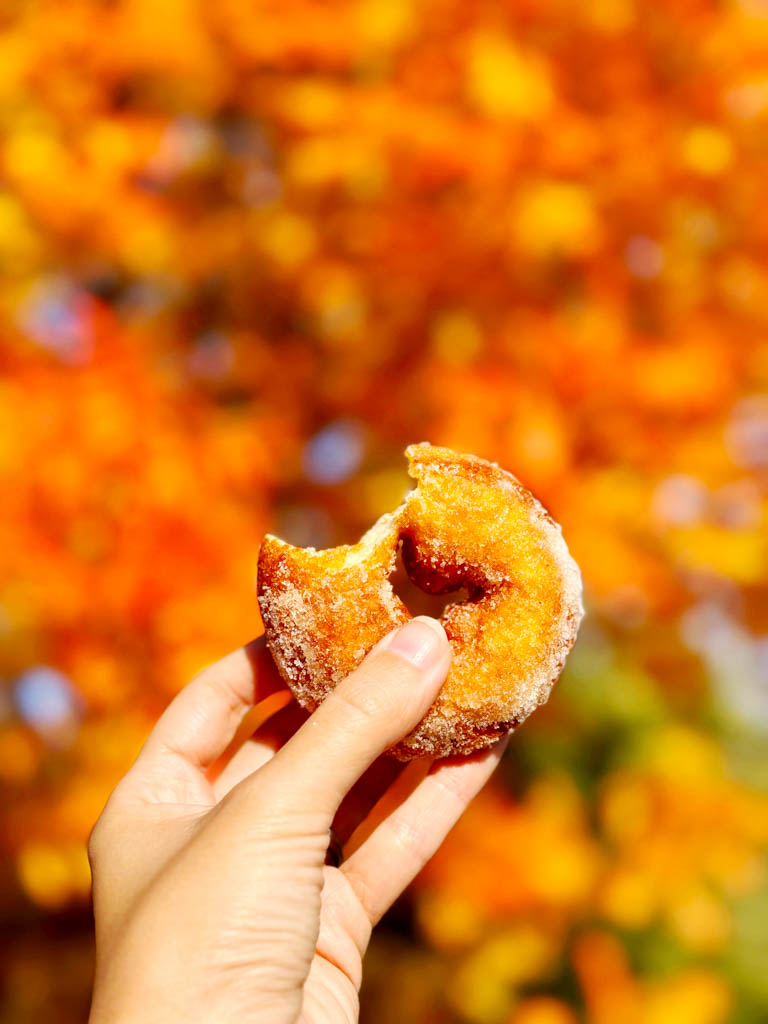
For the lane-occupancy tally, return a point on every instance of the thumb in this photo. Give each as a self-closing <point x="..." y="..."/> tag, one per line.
<point x="376" y="705"/>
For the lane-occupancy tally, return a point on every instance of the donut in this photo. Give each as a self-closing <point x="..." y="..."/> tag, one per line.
<point x="468" y="524"/>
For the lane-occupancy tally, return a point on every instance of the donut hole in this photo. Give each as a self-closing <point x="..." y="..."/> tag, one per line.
<point x="418" y="601"/>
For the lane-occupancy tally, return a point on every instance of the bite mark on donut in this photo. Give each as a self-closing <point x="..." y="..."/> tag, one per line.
<point x="466" y="524"/>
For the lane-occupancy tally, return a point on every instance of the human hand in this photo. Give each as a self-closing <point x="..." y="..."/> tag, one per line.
<point x="212" y="896"/>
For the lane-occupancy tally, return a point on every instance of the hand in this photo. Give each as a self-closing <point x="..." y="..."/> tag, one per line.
<point x="212" y="898"/>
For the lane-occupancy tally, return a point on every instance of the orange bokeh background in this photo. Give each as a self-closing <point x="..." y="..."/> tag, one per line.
<point x="252" y="250"/>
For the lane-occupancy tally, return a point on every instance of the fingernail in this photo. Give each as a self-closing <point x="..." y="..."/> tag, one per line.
<point x="420" y="641"/>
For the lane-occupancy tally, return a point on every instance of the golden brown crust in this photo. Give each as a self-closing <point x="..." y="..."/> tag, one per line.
<point x="467" y="523"/>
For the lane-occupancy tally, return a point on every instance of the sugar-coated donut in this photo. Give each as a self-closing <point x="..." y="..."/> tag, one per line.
<point x="467" y="524"/>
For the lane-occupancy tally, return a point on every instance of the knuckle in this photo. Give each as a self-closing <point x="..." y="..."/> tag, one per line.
<point x="382" y="688"/>
<point x="104" y="829"/>
<point x="362" y="891"/>
<point x="408" y="839"/>
<point x="97" y="840"/>
<point x="452" y="783"/>
<point x="359" y="698"/>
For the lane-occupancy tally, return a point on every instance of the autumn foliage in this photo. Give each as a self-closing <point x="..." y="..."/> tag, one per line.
<point x="251" y="250"/>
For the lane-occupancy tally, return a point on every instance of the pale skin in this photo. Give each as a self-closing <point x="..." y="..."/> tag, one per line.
<point x="212" y="896"/>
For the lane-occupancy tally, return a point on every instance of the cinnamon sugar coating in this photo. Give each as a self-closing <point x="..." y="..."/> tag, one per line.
<point x="467" y="524"/>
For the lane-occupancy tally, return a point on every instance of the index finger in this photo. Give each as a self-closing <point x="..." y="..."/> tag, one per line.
<point x="376" y="705"/>
<point x="199" y="723"/>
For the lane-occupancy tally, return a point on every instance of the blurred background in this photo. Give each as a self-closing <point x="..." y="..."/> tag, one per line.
<point x="249" y="251"/>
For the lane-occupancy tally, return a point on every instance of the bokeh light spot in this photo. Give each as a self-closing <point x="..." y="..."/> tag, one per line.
<point x="54" y="314"/>
<point x="644" y="257"/>
<point x="335" y="452"/>
<point x="46" y="700"/>
<point x="707" y="150"/>
<point x="555" y="218"/>
<point x="503" y="81"/>
<point x="52" y="875"/>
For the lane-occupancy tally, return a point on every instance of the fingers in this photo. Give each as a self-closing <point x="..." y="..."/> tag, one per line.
<point x="370" y="710"/>
<point x="409" y="823"/>
<point x="200" y="722"/>
<point x="258" y="746"/>
<point x="364" y="795"/>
